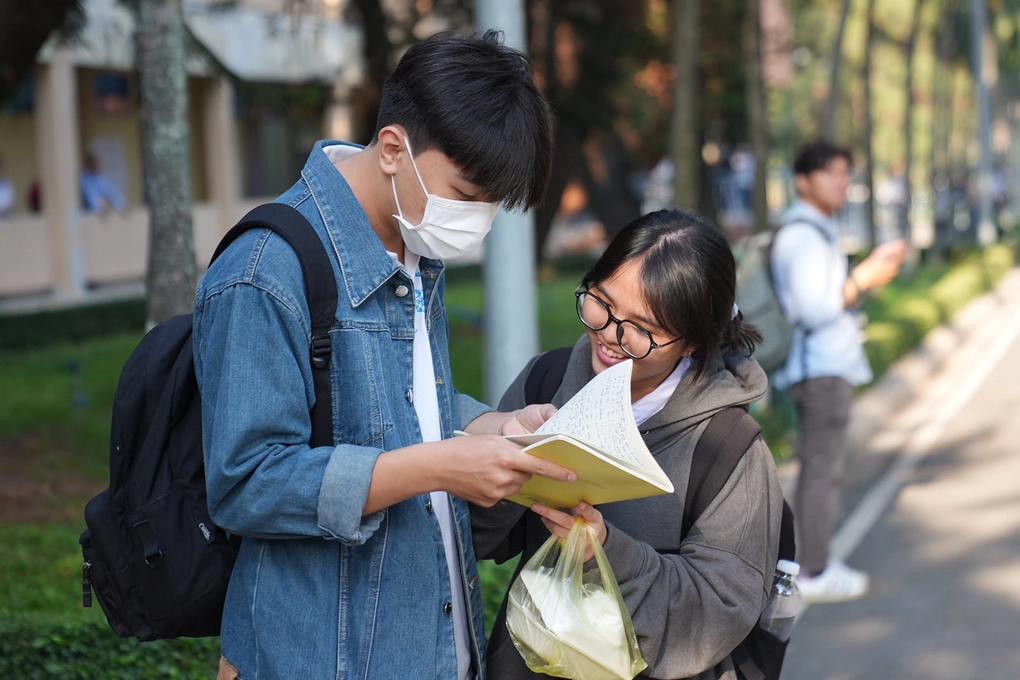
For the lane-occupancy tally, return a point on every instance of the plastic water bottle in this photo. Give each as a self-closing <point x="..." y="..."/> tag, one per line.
<point x="784" y="601"/>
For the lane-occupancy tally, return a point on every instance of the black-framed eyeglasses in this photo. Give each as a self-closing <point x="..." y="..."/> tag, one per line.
<point x="594" y="313"/>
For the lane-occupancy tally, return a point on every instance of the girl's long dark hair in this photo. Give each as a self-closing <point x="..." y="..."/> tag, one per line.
<point x="689" y="278"/>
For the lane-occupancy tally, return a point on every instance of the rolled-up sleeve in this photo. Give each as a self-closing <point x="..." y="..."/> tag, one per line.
<point x="468" y="409"/>
<point x="262" y="477"/>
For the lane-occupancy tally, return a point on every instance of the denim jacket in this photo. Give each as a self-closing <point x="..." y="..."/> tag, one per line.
<point x="319" y="590"/>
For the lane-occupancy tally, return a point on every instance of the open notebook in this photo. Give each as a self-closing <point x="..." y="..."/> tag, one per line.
<point x="595" y="435"/>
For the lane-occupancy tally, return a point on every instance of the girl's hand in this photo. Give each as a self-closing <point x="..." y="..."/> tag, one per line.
<point x="527" y="419"/>
<point x="560" y="523"/>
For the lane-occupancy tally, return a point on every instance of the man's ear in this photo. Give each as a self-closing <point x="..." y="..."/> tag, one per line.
<point x="390" y="145"/>
<point x="802" y="184"/>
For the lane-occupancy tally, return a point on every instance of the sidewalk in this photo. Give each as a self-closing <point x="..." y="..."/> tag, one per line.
<point x="939" y="531"/>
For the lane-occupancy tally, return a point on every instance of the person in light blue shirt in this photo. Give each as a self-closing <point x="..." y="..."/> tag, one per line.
<point x="98" y="194"/>
<point x="820" y="297"/>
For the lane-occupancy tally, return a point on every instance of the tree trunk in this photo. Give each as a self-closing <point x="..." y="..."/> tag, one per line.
<point x="567" y="142"/>
<point x="166" y="159"/>
<point x="937" y="86"/>
<point x="941" y="125"/>
<point x="684" y="143"/>
<point x="566" y="165"/>
<point x="832" y="100"/>
<point x="949" y="90"/>
<point x="757" y="120"/>
<point x="908" y="122"/>
<point x="869" y="171"/>
<point x="376" y="50"/>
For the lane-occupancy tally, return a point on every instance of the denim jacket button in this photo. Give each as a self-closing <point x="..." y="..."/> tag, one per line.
<point x="447" y="608"/>
<point x="402" y="291"/>
<point x="428" y="506"/>
<point x="410" y="395"/>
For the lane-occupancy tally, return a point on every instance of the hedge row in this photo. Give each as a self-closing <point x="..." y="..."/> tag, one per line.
<point x="89" y="651"/>
<point x="901" y="317"/>
<point x="73" y="324"/>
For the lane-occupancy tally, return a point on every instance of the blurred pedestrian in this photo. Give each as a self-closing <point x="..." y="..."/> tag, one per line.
<point x="821" y="298"/>
<point x="98" y="193"/>
<point x="7" y="194"/>
<point x="34" y="197"/>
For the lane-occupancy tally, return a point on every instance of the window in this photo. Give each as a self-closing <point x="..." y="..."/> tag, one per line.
<point x="113" y="93"/>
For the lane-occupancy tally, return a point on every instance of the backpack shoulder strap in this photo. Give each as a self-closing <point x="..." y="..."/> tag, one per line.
<point x="811" y="223"/>
<point x="320" y="288"/>
<point x="723" y="443"/>
<point x="546" y="375"/>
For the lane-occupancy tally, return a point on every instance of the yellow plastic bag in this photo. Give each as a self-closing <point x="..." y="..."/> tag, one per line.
<point x="568" y="621"/>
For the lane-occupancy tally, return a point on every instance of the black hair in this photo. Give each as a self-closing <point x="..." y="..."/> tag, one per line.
<point x="817" y="155"/>
<point x="475" y="100"/>
<point x="689" y="279"/>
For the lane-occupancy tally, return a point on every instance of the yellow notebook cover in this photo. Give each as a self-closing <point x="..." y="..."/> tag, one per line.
<point x="598" y="480"/>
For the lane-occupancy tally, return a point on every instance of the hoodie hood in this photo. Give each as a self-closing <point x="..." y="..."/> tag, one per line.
<point x="730" y="380"/>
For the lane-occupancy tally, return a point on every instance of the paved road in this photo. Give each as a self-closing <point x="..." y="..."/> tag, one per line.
<point x="945" y="555"/>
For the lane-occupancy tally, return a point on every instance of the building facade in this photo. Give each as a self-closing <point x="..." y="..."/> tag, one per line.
<point x="263" y="85"/>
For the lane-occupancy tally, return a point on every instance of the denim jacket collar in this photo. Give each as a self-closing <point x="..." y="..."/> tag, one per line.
<point x="364" y="264"/>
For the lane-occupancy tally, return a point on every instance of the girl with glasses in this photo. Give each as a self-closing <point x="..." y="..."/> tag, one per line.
<point x="663" y="294"/>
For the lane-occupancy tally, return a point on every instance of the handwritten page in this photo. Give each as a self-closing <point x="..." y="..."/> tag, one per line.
<point x="601" y="415"/>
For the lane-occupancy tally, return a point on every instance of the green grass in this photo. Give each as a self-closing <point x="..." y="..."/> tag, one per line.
<point x="466" y="307"/>
<point x="902" y="313"/>
<point x="37" y="397"/>
<point x="42" y="624"/>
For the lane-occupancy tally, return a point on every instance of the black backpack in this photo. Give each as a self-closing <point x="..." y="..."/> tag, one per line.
<point x="152" y="554"/>
<point x="729" y="434"/>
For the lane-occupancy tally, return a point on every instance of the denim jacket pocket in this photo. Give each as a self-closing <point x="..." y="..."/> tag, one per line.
<point x="357" y="381"/>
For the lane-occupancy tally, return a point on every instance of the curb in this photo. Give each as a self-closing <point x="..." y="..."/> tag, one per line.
<point x="875" y="407"/>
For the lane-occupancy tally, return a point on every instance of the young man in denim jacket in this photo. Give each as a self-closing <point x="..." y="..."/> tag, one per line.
<point x="356" y="559"/>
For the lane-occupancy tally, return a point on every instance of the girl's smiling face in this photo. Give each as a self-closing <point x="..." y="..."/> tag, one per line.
<point x="624" y="293"/>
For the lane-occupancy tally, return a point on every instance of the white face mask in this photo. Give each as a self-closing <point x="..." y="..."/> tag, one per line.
<point x="448" y="228"/>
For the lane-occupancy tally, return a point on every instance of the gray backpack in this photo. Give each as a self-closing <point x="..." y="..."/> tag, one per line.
<point x="757" y="299"/>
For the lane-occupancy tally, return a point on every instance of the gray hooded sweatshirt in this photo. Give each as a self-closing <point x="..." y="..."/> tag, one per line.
<point x="691" y="601"/>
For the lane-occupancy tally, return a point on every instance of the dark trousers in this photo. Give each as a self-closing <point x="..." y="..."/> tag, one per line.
<point x="823" y="410"/>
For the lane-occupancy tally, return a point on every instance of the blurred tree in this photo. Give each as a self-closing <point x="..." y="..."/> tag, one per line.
<point x="24" y="28"/>
<point x="943" y="91"/>
<point x="836" y="62"/>
<point x="685" y="146"/>
<point x="376" y="49"/>
<point x="587" y="57"/>
<point x="757" y="121"/>
<point x="868" y="132"/>
<point x="908" y="118"/>
<point x="166" y="159"/>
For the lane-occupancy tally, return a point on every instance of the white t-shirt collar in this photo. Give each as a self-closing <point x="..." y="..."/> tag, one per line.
<point x="653" y="402"/>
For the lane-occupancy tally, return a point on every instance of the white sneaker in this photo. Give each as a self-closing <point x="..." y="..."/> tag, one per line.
<point x="838" y="583"/>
